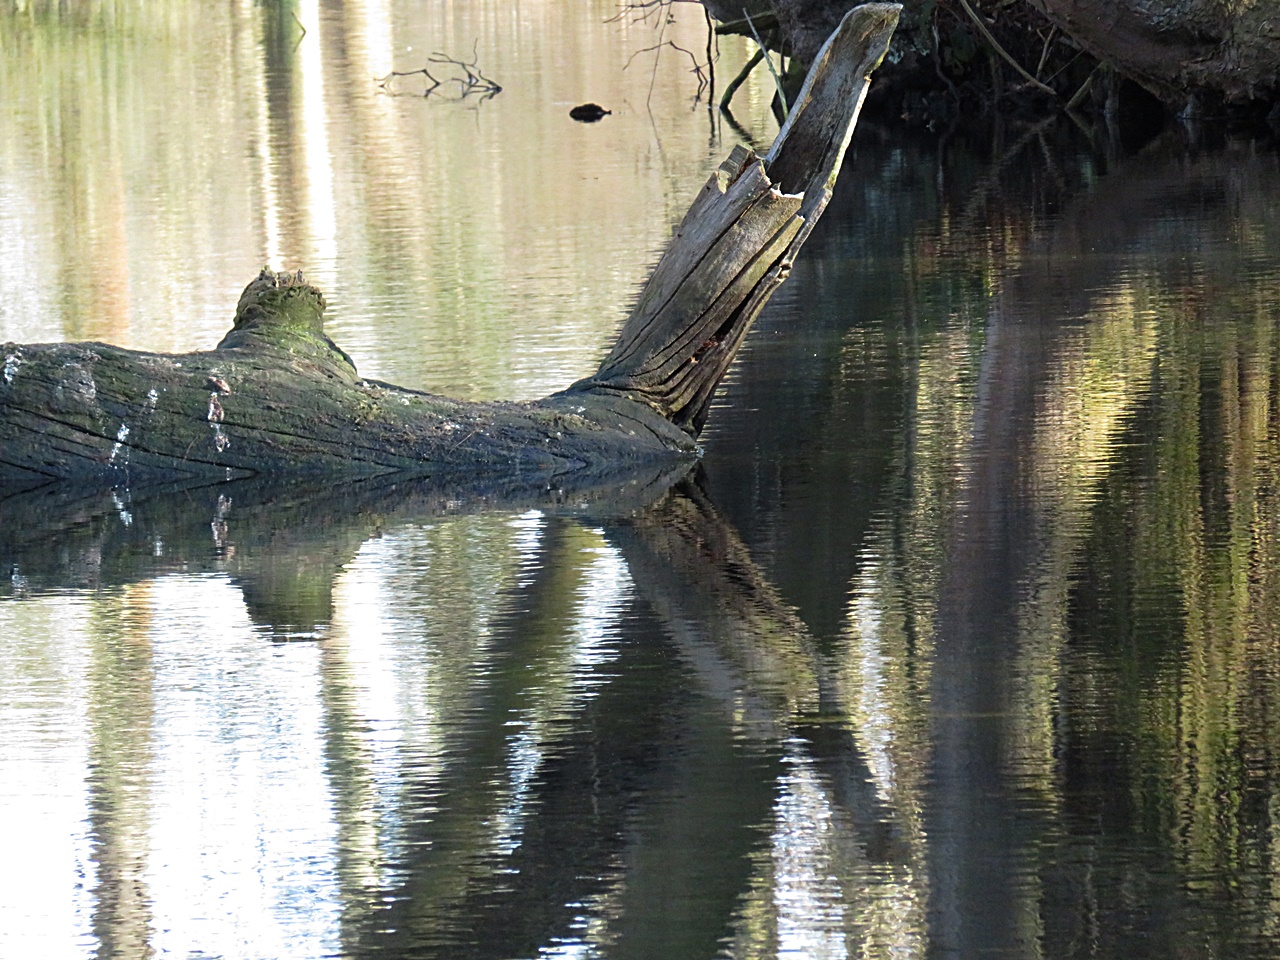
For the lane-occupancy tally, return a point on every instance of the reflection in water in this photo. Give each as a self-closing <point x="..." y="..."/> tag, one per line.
<point x="964" y="642"/>
<point x="313" y="136"/>
<point x="43" y="792"/>
<point x="237" y="783"/>
<point x="969" y="649"/>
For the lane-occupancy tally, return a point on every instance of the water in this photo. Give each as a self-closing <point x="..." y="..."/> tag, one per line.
<point x="963" y="641"/>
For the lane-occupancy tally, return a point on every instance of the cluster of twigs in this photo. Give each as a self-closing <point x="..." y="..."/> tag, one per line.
<point x="702" y="72"/>
<point x="1043" y="61"/>
<point x="958" y="57"/>
<point x="644" y="10"/>
<point x="459" y="79"/>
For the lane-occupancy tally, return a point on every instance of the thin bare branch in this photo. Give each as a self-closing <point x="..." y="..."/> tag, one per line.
<point x="768" y="61"/>
<point x="698" y="69"/>
<point x="982" y="28"/>
<point x="642" y="10"/>
<point x="462" y="78"/>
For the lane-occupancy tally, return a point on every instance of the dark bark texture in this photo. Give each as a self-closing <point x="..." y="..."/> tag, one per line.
<point x="1193" y="58"/>
<point x="1182" y="51"/>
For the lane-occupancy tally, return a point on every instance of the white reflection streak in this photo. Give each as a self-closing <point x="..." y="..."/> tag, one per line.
<point x="395" y="690"/>
<point x="388" y="718"/>
<point x="243" y="837"/>
<point x="807" y="897"/>
<point x="315" y="139"/>
<point x="606" y="588"/>
<point x="24" y="258"/>
<point x="373" y="47"/>
<point x="572" y="950"/>
<point x="873" y="710"/>
<point x="46" y="905"/>
<point x="270" y="199"/>
<point x="528" y="528"/>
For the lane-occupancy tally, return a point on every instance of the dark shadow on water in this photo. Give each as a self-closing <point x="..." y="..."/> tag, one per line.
<point x="260" y="530"/>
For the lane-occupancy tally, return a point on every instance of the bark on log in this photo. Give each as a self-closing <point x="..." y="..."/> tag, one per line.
<point x="1181" y="51"/>
<point x="278" y="397"/>
<point x="1191" y="55"/>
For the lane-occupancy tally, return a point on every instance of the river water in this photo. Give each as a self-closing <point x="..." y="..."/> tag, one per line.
<point x="964" y="640"/>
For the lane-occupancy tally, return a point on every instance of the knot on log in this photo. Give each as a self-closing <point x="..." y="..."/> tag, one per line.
<point x="282" y="310"/>
<point x="282" y="300"/>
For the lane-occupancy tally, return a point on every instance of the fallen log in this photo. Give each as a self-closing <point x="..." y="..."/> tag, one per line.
<point x="1192" y="55"/>
<point x="278" y="397"/>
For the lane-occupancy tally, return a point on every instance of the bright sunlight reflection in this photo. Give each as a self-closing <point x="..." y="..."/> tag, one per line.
<point x="242" y="830"/>
<point x="224" y="841"/>
<point x="807" y="896"/>
<point x="315" y="137"/>
<point x="42" y="788"/>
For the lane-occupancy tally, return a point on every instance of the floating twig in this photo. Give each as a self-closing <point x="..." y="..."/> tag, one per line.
<point x="462" y="77"/>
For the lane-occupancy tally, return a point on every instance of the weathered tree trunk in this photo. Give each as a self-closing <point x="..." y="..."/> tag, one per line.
<point x="278" y="397"/>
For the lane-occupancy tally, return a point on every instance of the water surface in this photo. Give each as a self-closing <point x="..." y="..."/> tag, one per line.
<point x="962" y="642"/>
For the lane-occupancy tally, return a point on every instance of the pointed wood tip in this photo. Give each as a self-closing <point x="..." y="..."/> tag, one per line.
<point x="810" y="147"/>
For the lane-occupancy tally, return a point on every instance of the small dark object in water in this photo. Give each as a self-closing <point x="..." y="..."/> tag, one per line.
<point x="589" y="112"/>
